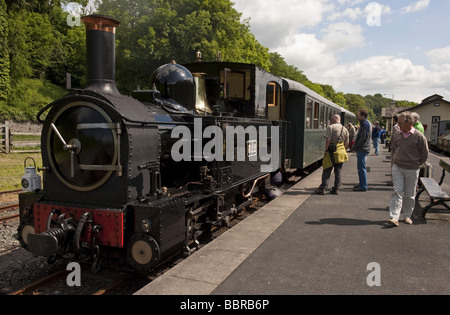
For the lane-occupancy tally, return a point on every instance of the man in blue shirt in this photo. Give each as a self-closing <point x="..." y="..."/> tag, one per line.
<point x="383" y="135"/>
<point x="376" y="135"/>
<point x="362" y="148"/>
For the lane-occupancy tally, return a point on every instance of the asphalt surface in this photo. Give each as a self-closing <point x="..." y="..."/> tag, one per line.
<point x="303" y="244"/>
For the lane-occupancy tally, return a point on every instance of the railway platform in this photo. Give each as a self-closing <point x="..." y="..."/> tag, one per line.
<point x="303" y="244"/>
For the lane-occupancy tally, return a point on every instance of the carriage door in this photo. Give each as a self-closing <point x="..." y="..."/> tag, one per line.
<point x="273" y="95"/>
<point x="435" y="132"/>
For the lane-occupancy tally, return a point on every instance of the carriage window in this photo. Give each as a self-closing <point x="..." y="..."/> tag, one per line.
<point x="273" y="94"/>
<point x="325" y="117"/>
<point x="330" y="115"/>
<point x="316" y="115"/>
<point x="309" y="111"/>
<point x="321" y="117"/>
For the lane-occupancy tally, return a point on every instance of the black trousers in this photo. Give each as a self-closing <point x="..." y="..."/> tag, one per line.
<point x="337" y="177"/>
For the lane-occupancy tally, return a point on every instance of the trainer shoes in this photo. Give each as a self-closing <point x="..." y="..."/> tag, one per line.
<point x="320" y="192"/>
<point x="393" y="222"/>
<point x="408" y="221"/>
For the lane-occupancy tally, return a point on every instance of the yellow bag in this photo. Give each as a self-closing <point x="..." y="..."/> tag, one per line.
<point x="340" y="156"/>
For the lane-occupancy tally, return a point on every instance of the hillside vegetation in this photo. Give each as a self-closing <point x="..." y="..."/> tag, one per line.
<point x="38" y="48"/>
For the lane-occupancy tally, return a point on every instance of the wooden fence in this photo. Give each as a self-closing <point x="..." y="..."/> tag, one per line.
<point x="8" y="145"/>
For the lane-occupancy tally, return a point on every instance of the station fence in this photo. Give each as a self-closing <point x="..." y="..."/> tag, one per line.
<point x="9" y="145"/>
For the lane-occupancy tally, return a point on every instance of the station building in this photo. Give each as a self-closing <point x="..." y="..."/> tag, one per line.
<point x="432" y="109"/>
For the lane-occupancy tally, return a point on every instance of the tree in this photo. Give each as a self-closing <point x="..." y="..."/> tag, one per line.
<point x="34" y="37"/>
<point x="152" y="32"/>
<point x="74" y="46"/>
<point x="339" y="98"/>
<point x="37" y="6"/>
<point x="328" y="91"/>
<point x="4" y="55"/>
<point x="35" y="47"/>
<point x="355" y="102"/>
<point x="280" y="68"/>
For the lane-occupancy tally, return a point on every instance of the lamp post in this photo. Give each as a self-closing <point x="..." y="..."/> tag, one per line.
<point x="392" y="106"/>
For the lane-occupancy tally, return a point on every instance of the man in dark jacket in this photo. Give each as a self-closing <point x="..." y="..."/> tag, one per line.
<point x="362" y="149"/>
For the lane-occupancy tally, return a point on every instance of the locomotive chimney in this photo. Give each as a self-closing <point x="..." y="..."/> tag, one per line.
<point x="101" y="55"/>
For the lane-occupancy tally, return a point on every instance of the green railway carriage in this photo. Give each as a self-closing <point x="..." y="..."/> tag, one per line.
<point x="308" y="115"/>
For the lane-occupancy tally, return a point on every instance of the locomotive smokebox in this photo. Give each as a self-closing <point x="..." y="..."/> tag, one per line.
<point x="101" y="55"/>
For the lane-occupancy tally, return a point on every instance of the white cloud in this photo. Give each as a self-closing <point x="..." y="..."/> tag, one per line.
<point x="342" y="36"/>
<point x="388" y="74"/>
<point x="273" y="22"/>
<point x="359" y="13"/>
<point x="315" y="35"/>
<point x="352" y="14"/>
<point x="439" y="57"/>
<point x="307" y="52"/>
<point x="420" y="5"/>
<point x="440" y="64"/>
<point x="316" y="55"/>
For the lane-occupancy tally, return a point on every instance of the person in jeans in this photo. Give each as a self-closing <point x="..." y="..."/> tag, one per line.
<point x="376" y="135"/>
<point x="410" y="150"/>
<point x="338" y="136"/>
<point x="362" y="149"/>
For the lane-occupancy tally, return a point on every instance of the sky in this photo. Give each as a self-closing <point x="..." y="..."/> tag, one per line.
<point x="398" y="48"/>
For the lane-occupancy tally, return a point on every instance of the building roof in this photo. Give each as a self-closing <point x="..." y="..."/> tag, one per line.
<point x="431" y="99"/>
<point x="387" y="112"/>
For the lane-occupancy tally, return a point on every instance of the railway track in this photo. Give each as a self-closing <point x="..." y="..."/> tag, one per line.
<point x="9" y="207"/>
<point x="8" y="211"/>
<point x="9" y="218"/>
<point x="92" y="284"/>
<point x="10" y="191"/>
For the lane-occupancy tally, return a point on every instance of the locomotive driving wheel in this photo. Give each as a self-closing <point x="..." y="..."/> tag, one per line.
<point x="143" y="252"/>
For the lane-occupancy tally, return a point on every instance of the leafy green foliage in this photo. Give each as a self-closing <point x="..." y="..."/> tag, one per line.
<point x="29" y="96"/>
<point x="4" y="55"/>
<point x="38" y="47"/>
<point x="152" y="32"/>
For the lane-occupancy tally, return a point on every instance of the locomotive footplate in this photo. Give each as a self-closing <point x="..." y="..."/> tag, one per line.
<point x="104" y="227"/>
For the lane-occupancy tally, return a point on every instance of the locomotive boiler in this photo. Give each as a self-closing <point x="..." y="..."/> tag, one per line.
<point x="132" y="181"/>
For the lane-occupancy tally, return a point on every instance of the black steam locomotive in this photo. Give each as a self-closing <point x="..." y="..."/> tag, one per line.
<point x="136" y="180"/>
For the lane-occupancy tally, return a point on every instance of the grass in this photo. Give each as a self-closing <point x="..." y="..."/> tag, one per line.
<point x="27" y="137"/>
<point x="12" y="169"/>
<point x="28" y="97"/>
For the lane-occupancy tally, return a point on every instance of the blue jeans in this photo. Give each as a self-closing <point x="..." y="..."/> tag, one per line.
<point x="361" y="157"/>
<point x="376" y="145"/>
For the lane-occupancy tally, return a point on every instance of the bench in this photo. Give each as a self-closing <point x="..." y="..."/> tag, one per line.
<point x="438" y="197"/>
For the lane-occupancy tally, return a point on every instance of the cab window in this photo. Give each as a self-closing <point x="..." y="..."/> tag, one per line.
<point x="273" y="94"/>
<point x="235" y="84"/>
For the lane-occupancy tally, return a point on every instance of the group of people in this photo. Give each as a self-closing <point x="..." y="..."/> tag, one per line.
<point x="409" y="149"/>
